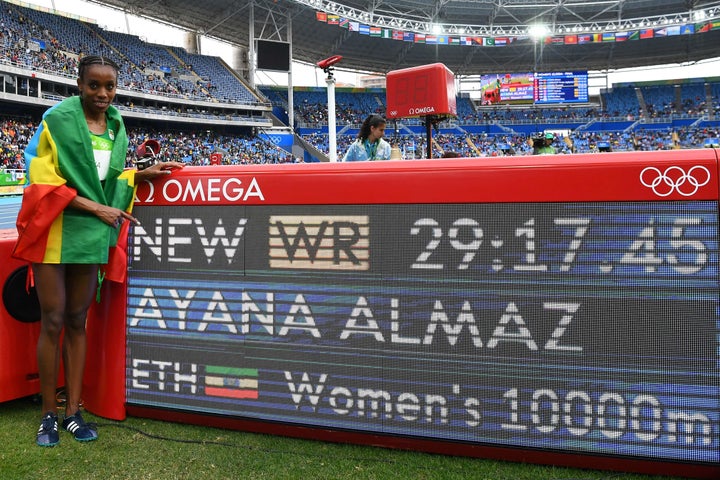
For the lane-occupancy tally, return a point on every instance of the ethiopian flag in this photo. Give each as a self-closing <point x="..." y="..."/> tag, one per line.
<point x="229" y="382"/>
<point x="61" y="165"/>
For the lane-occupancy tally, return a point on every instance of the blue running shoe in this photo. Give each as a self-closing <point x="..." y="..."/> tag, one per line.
<point x="77" y="426"/>
<point x="47" y="435"/>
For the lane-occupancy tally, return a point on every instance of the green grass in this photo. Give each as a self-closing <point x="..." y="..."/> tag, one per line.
<point x="147" y="449"/>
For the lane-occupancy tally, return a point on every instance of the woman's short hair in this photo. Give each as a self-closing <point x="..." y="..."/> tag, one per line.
<point x="88" y="60"/>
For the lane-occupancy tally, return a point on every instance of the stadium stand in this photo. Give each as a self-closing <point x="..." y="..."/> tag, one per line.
<point x="625" y="117"/>
<point x="193" y="147"/>
<point x="217" y="78"/>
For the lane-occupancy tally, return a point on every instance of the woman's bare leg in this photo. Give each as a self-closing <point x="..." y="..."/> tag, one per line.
<point x="50" y="286"/>
<point x="81" y="284"/>
<point x="64" y="293"/>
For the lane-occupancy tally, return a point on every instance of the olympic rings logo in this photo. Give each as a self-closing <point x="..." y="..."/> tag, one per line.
<point x="674" y="179"/>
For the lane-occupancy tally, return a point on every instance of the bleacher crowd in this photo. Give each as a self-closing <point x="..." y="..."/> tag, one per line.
<point x="40" y="41"/>
<point x="624" y="103"/>
<point x="197" y="146"/>
<point x="193" y="147"/>
<point x="14" y="136"/>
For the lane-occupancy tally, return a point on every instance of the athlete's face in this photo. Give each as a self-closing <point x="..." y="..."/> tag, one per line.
<point x="97" y="87"/>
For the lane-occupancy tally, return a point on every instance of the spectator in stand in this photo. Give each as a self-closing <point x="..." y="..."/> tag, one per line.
<point x="369" y="144"/>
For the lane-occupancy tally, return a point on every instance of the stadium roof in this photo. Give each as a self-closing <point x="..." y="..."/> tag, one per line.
<point x="498" y="30"/>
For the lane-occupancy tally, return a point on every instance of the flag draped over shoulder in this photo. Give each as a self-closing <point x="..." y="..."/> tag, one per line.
<point x="61" y="165"/>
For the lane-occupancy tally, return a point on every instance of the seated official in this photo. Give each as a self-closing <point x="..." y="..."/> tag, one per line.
<point x="369" y="144"/>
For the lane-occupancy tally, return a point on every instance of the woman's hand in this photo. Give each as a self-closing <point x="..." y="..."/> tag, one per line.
<point x="156" y="170"/>
<point x="114" y="216"/>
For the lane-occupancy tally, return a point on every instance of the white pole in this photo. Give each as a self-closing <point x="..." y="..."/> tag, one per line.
<point x="291" y="98"/>
<point x="332" y="133"/>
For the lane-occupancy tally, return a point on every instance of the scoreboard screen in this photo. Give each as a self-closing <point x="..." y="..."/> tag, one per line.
<point x="476" y="303"/>
<point x="561" y="87"/>
<point x="556" y="326"/>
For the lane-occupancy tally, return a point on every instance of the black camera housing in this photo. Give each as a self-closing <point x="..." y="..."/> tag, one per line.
<point x="143" y="163"/>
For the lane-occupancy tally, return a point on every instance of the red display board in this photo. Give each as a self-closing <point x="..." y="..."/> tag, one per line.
<point x="420" y="91"/>
<point x="556" y="309"/>
<point x="104" y="379"/>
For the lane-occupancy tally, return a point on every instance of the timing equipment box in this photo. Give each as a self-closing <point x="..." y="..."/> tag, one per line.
<point x="19" y="326"/>
<point x="420" y="91"/>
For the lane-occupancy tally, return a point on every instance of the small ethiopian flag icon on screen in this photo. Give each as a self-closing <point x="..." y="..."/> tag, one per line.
<point x="231" y="382"/>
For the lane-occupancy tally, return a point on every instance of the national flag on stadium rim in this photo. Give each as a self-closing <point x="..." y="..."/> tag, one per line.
<point x="454" y="40"/>
<point x="702" y="27"/>
<point x="501" y="41"/>
<point x="321" y="16"/>
<point x="386" y="33"/>
<point x="229" y="382"/>
<point x="585" y="38"/>
<point x="364" y="29"/>
<point x="409" y="37"/>
<point x="673" y="30"/>
<point x="597" y="37"/>
<point x="333" y="19"/>
<point x="647" y="33"/>
<point x="344" y="22"/>
<point x="431" y="39"/>
<point x="398" y="34"/>
<point x="621" y="36"/>
<point x="634" y="35"/>
<point x="687" y="29"/>
<point x="571" y="39"/>
<point x="375" y="31"/>
<point x="466" y="40"/>
<point x="661" y="32"/>
<point x="354" y="26"/>
<point x="489" y="42"/>
<point x="419" y="38"/>
<point x="442" y="40"/>
<point x="608" y="36"/>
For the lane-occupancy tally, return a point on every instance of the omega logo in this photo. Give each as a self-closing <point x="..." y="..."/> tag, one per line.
<point x="421" y="110"/>
<point x="190" y="190"/>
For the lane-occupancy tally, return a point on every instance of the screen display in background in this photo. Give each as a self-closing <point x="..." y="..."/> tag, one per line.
<point x="561" y="87"/>
<point x="577" y="327"/>
<point x="509" y="87"/>
<point x="540" y="88"/>
<point x="272" y="55"/>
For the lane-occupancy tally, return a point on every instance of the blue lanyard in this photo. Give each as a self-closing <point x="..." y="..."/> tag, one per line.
<point x="371" y="149"/>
